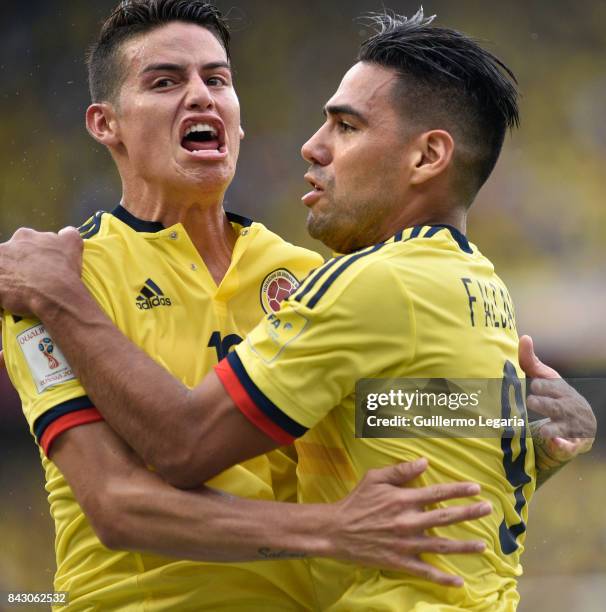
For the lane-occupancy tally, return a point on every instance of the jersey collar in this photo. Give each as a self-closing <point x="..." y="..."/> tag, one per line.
<point x="151" y="227"/>
<point x="431" y="229"/>
<point x="139" y="225"/>
<point x="420" y="231"/>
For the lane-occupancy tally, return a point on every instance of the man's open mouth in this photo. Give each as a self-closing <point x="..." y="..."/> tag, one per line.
<point x="203" y="136"/>
<point x="316" y="186"/>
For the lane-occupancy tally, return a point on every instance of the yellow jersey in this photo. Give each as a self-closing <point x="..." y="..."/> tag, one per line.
<point x="154" y="285"/>
<point x="424" y="304"/>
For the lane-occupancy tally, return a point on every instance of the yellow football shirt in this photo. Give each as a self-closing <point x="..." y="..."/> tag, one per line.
<point x="153" y="284"/>
<point x="425" y="304"/>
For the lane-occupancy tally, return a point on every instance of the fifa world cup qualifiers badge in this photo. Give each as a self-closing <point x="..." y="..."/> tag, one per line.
<point x="47" y="347"/>
<point x="44" y="359"/>
<point x="275" y="288"/>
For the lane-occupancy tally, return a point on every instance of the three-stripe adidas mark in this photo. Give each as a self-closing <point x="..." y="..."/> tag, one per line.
<point x="151" y="296"/>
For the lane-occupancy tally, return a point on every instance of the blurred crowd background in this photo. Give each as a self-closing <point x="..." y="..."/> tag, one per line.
<point x="540" y="218"/>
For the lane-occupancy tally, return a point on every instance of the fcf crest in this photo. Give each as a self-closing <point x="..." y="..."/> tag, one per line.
<point x="47" y="347"/>
<point x="277" y="286"/>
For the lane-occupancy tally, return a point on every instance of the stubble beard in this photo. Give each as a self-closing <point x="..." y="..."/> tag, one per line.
<point x="343" y="229"/>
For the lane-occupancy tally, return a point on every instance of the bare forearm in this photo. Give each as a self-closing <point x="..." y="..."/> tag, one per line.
<point x="380" y="523"/>
<point x="133" y="508"/>
<point x="208" y="525"/>
<point x="126" y="385"/>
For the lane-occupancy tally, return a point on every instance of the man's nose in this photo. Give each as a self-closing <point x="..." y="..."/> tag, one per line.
<point x="198" y="95"/>
<point x="316" y="149"/>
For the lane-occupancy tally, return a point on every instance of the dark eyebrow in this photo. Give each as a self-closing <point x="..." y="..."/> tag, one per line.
<point x="164" y="67"/>
<point x="214" y="65"/>
<point x="344" y="109"/>
<point x="168" y="67"/>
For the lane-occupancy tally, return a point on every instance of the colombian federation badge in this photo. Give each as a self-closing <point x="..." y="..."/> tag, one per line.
<point x="44" y="359"/>
<point x="277" y="286"/>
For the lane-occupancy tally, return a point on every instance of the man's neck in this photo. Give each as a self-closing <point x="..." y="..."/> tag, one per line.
<point x="419" y="212"/>
<point x="202" y="217"/>
<point x="453" y="218"/>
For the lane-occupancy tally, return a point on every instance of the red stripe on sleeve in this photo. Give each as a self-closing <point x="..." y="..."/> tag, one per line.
<point x="68" y="421"/>
<point x="247" y="407"/>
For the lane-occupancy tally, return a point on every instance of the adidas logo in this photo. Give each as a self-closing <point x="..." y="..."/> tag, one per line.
<point x="151" y="296"/>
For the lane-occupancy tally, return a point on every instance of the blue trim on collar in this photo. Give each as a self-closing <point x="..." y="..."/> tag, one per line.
<point x="239" y="219"/>
<point x="140" y="225"/>
<point x="458" y="237"/>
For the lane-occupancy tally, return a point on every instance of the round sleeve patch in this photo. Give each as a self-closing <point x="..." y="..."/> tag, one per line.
<point x="276" y="287"/>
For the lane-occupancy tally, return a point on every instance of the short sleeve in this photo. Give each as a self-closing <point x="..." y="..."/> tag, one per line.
<point x="52" y="398"/>
<point x="302" y="361"/>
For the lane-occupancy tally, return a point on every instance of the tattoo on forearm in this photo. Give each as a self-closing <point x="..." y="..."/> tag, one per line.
<point x="270" y="553"/>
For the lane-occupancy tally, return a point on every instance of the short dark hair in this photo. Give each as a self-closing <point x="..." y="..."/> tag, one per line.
<point x="132" y="18"/>
<point x="447" y="81"/>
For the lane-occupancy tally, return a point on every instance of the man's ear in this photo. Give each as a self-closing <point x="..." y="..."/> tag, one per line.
<point x="102" y="124"/>
<point x="433" y="155"/>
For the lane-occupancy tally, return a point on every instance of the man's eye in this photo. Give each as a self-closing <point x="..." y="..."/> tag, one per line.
<point x="166" y="82"/>
<point x="346" y="127"/>
<point x="216" y="81"/>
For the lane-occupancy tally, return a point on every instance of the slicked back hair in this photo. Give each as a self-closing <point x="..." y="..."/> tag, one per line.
<point x="447" y="81"/>
<point x="132" y="18"/>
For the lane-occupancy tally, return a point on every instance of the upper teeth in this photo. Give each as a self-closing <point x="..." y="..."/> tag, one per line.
<point x="201" y="127"/>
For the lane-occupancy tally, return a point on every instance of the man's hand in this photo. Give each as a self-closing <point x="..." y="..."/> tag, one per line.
<point x="570" y="427"/>
<point x="382" y="523"/>
<point x="35" y="266"/>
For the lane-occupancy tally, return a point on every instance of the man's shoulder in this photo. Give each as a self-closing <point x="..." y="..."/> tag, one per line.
<point x="106" y="238"/>
<point x="364" y="275"/>
<point x="92" y="226"/>
<point x="102" y="225"/>
<point x="272" y="239"/>
<point x="272" y="254"/>
<point x="111" y="249"/>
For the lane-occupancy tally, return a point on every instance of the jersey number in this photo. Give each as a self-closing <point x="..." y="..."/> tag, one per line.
<point x="514" y="468"/>
<point x="222" y="346"/>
